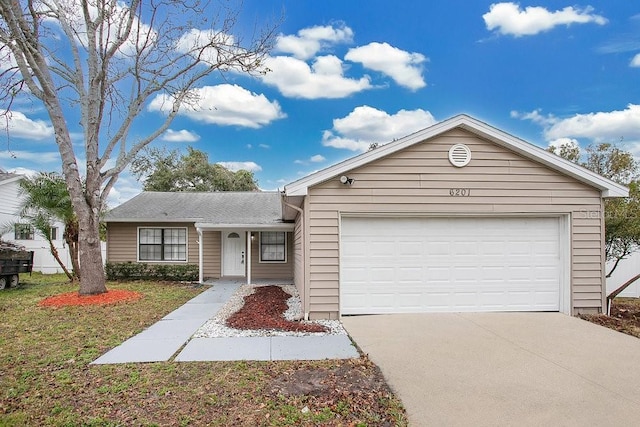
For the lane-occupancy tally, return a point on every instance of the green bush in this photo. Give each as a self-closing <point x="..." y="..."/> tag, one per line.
<point x="136" y="271"/>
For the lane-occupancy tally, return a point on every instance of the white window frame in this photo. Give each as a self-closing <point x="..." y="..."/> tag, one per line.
<point x="27" y="229"/>
<point x="260" y="260"/>
<point x="186" y="260"/>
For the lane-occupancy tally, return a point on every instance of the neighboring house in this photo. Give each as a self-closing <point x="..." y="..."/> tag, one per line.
<point x="457" y="217"/>
<point x="14" y="230"/>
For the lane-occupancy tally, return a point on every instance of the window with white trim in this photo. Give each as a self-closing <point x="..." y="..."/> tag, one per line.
<point x="273" y="246"/>
<point x="23" y="232"/>
<point x="162" y="244"/>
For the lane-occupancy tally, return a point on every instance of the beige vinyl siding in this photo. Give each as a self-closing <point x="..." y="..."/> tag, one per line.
<point x="211" y="252"/>
<point x="122" y="243"/>
<point x="417" y="181"/>
<point x="271" y="270"/>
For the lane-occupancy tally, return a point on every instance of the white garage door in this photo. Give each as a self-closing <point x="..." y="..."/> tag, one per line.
<point x="413" y="265"/>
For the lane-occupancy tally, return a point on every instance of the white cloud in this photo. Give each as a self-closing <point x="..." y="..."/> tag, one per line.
<point x="141" y="35"/>
<point x="180" y="136"/>
<point x="318" y="158"/>
<point x="534" y="116"/>
<point x="323" y="79"/>
<point x="635" y="62"/>
<point x="126" y="188"/>
<point x="226" y="105"/>
<point x="236" y="166"/>
<point x="509" y="19"/>
<point x="310" y="41"/>
<point x="598" y="126"/>
<point x="198" y="44"/>
<point x="564" y="142"/>
<point x="20" y="126"/>
<point x="265" y="146"/>
<point x="7" y="60"/>
<point x="402" y="66"/>
<point x="366" y="125"/>
<point x="610" y="125"/>
<point x="38" y="157"/>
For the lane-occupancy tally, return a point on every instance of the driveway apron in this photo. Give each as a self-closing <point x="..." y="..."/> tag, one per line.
<point x="504" y="368"/>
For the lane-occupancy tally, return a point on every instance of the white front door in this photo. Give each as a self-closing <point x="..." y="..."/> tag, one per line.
<point x="233" y="253"/>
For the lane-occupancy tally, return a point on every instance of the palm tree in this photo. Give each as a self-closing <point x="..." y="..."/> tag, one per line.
<point x="42" y="223"/>
<point x="45" y="199"/>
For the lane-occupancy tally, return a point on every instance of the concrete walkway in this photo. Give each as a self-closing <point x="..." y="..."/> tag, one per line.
<point x="162" y="340"/>
<point x="504" y="369"/>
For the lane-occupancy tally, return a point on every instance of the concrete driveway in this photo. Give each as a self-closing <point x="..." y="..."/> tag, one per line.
<point x="504" y="368"/>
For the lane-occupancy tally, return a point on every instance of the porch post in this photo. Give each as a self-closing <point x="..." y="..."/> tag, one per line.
<point x="249" y="257"/>
<point x="200" y="255"/>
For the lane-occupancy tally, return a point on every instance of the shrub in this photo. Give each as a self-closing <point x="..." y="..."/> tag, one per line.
<point x="136" y="271"/>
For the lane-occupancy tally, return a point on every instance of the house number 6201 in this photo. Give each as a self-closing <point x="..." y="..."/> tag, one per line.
<point x="460" y="192"/>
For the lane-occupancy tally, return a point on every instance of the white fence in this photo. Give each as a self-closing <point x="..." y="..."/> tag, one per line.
<point x="627" y="269"/>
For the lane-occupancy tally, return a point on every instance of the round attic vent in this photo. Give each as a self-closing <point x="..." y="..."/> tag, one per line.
<point x="459" y="155"/>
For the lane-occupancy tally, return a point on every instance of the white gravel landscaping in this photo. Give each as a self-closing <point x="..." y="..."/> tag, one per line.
<point x="216" y="328"/>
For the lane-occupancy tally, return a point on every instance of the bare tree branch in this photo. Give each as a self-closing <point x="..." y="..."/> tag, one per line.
<point x="110" y="59"/>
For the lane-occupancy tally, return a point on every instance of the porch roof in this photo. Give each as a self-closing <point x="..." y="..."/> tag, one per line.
<point x="209" y="210"/>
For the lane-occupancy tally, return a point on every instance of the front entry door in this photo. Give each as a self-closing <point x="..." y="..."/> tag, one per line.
<point x="234" y="253"/>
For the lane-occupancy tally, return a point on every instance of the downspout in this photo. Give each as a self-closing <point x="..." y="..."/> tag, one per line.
<point x="200" y="256"/>
<point x="305" y="300"/>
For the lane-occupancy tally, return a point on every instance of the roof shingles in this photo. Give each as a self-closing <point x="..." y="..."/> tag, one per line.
<point x="250" y="208"/>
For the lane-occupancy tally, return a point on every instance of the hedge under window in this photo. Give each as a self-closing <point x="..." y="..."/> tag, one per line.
<point x="162" y="244"/>
<point x="273" y="246"/>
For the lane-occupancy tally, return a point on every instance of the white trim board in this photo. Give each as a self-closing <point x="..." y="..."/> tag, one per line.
<point x="463" y="121"/>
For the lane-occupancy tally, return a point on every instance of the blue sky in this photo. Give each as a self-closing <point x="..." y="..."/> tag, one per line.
<point x="345" y="76"/>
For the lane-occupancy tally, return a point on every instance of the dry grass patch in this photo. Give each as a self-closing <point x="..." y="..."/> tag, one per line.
<point x="46" y="379"/>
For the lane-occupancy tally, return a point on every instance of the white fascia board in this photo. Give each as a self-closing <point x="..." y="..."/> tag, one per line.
<point x="252" y="227"/>
<point x="607" y="187"/>
<point x="300" y="187"/>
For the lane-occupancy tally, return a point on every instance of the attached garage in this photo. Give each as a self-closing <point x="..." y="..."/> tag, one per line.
<point x="457" y="217"/>
<point x="435" y="264"/>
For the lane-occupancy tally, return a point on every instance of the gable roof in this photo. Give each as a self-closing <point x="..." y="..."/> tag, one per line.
<point x="7" y="177"/>
<point x="481" y="129"/>
<point x="208" y="209"/>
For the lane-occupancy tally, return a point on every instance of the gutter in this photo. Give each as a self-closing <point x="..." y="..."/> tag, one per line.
<point x="305" y="300"/>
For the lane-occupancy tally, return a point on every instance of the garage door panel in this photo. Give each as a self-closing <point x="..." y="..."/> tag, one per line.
<point x="449" y="264"/>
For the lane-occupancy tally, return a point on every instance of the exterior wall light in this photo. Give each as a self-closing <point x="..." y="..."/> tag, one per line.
<point x="346" y="180"/>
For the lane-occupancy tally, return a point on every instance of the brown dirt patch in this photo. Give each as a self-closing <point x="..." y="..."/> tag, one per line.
<point x="349" y="386"/>
<point x="625" y="316"/>
<point x="74" y="298"/>
<point x="350" y="378"/>
<point x="264" y="309"/>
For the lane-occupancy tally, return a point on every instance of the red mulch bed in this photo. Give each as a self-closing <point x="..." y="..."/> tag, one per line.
<point x="74" y="298"/>
<point x="264" y="309"/>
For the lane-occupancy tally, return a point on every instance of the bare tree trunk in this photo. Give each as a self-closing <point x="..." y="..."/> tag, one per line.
<point x="92" y="280"/>
<point x="617" y="292"/>
<point x="56" y="255"/>
<point x="74" y="254"/>
<point x="71" y="237"/>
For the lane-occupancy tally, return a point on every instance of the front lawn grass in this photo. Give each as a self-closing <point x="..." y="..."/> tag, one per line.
<point x="46" y="379"/>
